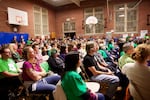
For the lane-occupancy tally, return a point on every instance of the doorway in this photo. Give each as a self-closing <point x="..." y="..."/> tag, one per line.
<point x="70" y="35"/>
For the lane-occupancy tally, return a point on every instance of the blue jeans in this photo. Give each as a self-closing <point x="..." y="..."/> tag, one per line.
<point x="46" y="85"/>
<point x="100" y="96"/>
<point x="111" y="80"/>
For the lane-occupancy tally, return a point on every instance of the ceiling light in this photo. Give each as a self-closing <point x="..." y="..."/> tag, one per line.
<point x="121" y="15"/>
<point x="122" y="8"/>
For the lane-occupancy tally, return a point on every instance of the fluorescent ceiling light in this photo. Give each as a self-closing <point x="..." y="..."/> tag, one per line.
<point x="122" y="8"/>
<point x="121" y="15"/>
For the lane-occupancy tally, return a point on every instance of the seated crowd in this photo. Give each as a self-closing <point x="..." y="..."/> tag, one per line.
<point x="118" y="64"/>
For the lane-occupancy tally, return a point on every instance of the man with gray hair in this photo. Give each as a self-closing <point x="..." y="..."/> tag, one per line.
<point x="128" y="49"/>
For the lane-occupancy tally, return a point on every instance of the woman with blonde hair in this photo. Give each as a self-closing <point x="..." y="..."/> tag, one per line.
<point x="138" y="73"/>
<point x="33" y="72"/>
<point x="15" y="55"/>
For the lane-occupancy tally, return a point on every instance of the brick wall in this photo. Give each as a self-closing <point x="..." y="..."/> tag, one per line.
<point x="58" y="15"/>
<point x="25" y="5"/>
<point x="77" y="13"/>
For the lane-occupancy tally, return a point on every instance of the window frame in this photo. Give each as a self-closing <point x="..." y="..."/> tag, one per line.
<point x="41" y="20"/>
<point x="126" y="9"/>
<point x="69" y="29"/>
<point x="101" y="23"/>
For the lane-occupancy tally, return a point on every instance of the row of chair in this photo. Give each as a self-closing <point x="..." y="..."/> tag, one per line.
<point x="59" y="93"/>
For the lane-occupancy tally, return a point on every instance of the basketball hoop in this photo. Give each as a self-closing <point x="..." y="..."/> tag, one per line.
<point x="19" y="19"/>
<point x="91" y="20"/>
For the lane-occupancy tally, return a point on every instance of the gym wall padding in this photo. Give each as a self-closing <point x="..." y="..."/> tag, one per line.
<point x="7" y="37"/>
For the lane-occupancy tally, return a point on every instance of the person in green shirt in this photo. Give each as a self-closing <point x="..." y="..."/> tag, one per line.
<point x="122" y="53"/>
<point x="8" y="67"/>
<point x="8" y="72"/>
<point x="102" y="51"/>
<point x="29" y="41"/>
<point x="73" y="84"/>
<point x="128" y="49"/>
<point x="110" y="45"/>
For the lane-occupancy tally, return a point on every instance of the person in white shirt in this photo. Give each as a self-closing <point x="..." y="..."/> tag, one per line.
<point x="138" y="73"/>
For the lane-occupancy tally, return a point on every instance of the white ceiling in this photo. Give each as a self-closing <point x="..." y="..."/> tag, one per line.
<point x="58" y="3"/>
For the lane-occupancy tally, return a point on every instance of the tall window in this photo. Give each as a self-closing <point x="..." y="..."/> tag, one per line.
<point x="69" y="26"/>
<point x="126" y="18"/>
<point x="98" y="13"/>
<point x="40" y="21"/>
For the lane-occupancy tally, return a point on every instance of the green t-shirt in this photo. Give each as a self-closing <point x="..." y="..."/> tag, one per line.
<point x="125" y="59"/>
<point x="110" y="47"/>
<point x="45" y="66"/>
<point x="103" y="53"/>
<point x="73" y="85"/>
<point x="135" y="45"/>
<point x="7" y="65"/>
<point x="122" y="53"/>
<point x="29" y="42"/>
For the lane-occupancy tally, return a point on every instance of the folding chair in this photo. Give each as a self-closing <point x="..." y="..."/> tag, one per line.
<point x="32" y="95"/>
<point x="102" y="85"/>
<point x="59" y="93"/>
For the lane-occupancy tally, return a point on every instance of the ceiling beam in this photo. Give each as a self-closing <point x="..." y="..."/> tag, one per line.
<point x="77" y="2"/>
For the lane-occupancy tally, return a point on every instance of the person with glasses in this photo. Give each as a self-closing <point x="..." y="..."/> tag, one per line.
<point x="9" y="72"/>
